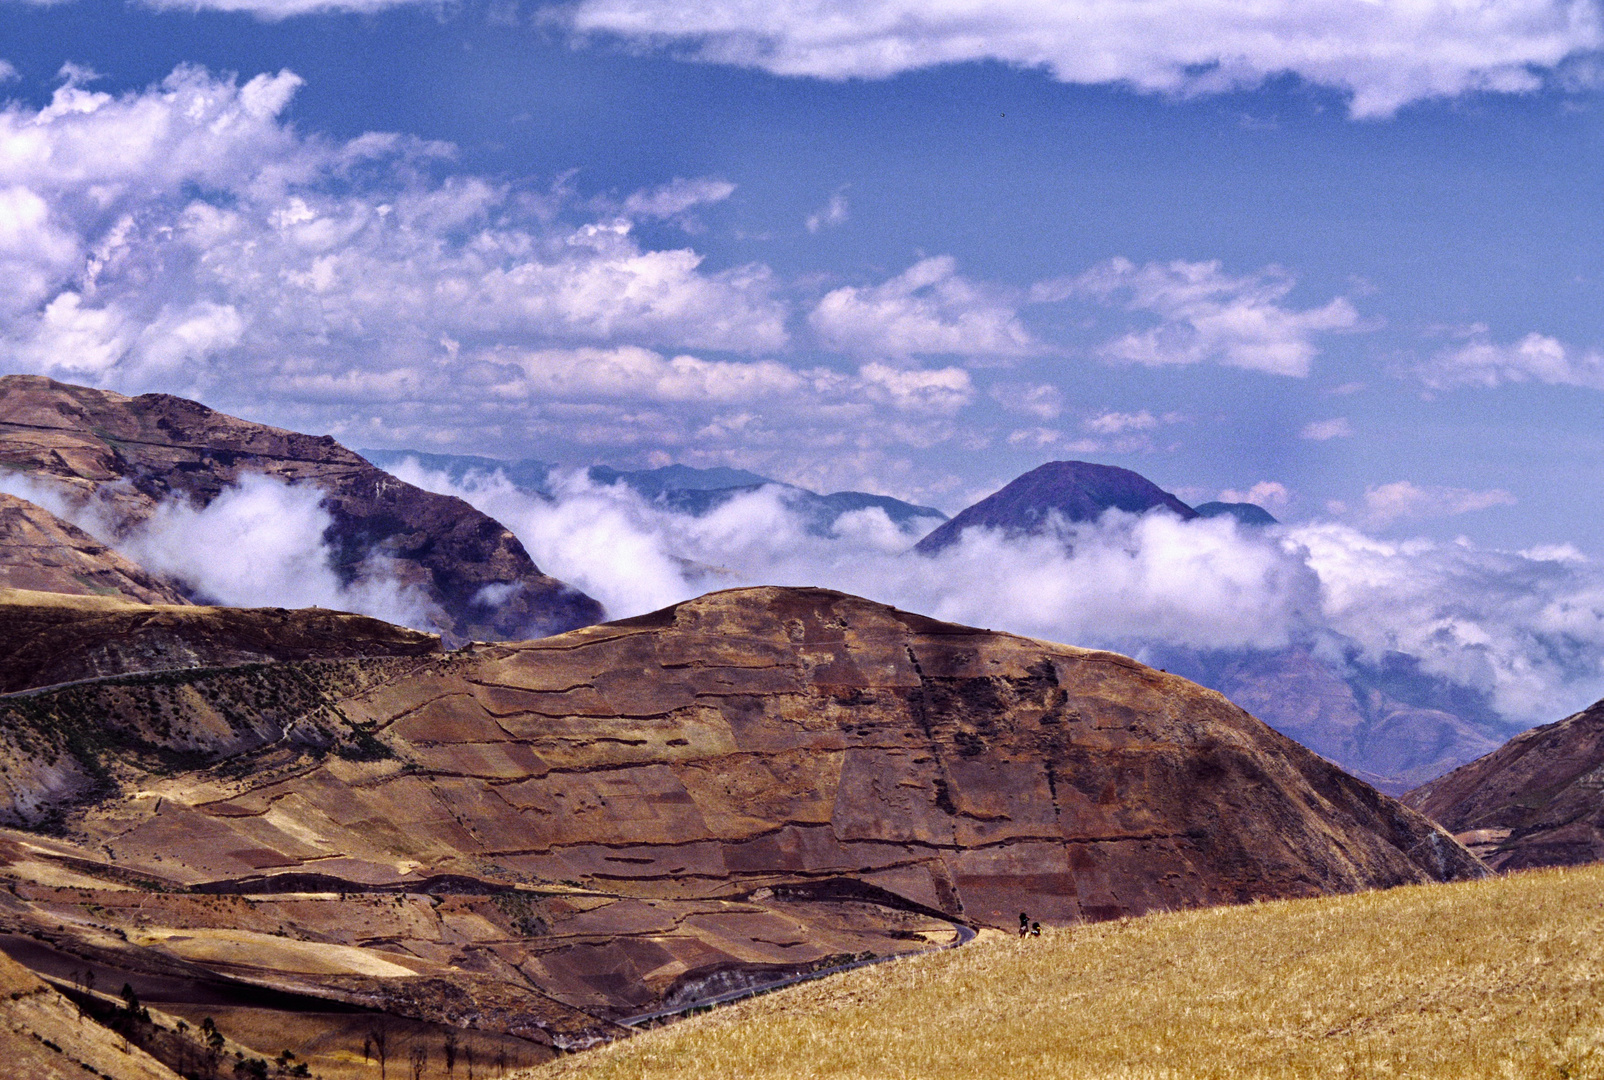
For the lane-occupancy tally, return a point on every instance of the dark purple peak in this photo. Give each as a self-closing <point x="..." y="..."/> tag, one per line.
<point x="1075" y="490"/>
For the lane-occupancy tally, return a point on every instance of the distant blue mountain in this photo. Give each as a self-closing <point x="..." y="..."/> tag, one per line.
<point x="1245" y="513"/>
<point x="682" y="488"/>
<point x="1075" y="491"/>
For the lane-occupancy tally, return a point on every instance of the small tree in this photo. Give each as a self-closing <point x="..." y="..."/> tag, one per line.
<point x="448" y="1048"/>
<point x="420" y="1060"/>
<point x="381" y="1046"/>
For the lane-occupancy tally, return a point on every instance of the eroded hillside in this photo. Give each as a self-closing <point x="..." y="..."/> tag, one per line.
<point x="545" y="838"/>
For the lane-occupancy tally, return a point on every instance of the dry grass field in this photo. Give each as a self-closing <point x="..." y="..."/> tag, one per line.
<point x="1496" y="978"/>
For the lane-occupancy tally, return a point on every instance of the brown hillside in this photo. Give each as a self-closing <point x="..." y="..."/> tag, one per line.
<point x="1533" y="802"/>
<point x="49" y="638"/>
<point x="128" y="454"/>
<point x="40" y="551"/>
<point x="547" y="836"/>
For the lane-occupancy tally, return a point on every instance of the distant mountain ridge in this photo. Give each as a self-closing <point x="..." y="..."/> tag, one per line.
<point x="684" y="489"/>
<point x="1076" y="491"/>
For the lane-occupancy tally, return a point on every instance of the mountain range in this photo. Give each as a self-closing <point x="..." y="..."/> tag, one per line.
<point x="679" y="488"/>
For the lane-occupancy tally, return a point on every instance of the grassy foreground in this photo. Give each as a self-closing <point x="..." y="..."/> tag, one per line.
<point x="1496" y="978"/>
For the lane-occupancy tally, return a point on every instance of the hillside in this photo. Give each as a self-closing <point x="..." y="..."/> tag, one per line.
<point x="1532" y="802"/>
<point x="541" y="839"/>
<point x="123" y="457"/>
<point x="40" y="551"/>
<point x="48" y="638"/>
<point x="1501" y="977"/>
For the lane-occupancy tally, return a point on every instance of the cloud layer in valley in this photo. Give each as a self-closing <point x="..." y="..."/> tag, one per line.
<point x="1524" y="628"/>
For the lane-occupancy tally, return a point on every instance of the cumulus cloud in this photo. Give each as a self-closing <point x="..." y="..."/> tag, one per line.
<point x="1480" y="361"/>
<point x="1325" y="430"/>
<point x="185" y="235"/>
<point x="1383" y="55"/>
<point x="1207" y="315"/>
<point x="927" y="309"/>
<point x="1524" y="628"/>
<point x="1387" y="503"/>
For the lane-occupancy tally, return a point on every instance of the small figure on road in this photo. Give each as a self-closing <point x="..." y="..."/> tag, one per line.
<point x="1035" y="929"/>
<point x="1024" y="924"/>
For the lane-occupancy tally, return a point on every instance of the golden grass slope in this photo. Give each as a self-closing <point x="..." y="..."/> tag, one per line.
<point x="1502" y="977"/>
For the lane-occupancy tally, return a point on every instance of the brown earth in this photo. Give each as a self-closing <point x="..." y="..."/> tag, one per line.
<point x="543" y="838"/>
<point x="126" y="455"/>
<point x="40" y="551"/>
<point x="1536" y="801"/>
<point x="49" y="638"/>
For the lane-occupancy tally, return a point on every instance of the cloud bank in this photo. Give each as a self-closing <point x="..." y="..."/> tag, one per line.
<point x="1524" y="628"/>
<point x="1383" y="54"/>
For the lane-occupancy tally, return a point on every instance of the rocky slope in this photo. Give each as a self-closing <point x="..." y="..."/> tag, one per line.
<point x="40" y="551"/>
<point x="1536" y="801"/>
<point x="125" y="456"/>
<point x="547" y="837"/>
<point x="50" y="638"/>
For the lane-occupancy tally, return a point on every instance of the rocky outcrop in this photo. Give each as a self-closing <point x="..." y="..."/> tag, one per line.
<point x="51" y="638"/>
<point x="40" y="551"/>
<point x="1536" y="801"/>
<point x="552" y="836"/>
<point x="127" y="455"/>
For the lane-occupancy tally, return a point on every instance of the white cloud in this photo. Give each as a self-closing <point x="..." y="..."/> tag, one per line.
<point x="927" y="309"/>
<point x="1324" y="430"/>
<point x="1390" y="502"/>
<point x="8" y="71"/>
<point x="1534" y="358"/>
<point x="1525" y="628"/>
<point x="1384" y="54"/>
<point x="676" y="197"/>
<point x="260" y="543"/>
<point x="1043" y="401"/>
<point x="186" y="237"/>
<point x="833" y="213"/>
<point x="1113" y="423"/>
<point x="1207" y="315"/>
<point x="1266" y="493"/>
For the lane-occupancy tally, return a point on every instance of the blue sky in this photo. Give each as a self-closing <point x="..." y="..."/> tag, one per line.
<point x="1342" y="260"/>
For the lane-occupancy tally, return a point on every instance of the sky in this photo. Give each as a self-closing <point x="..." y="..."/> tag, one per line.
<point x="1337" y="257"/>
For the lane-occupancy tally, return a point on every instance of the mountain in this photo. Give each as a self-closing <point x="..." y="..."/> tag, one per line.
<point x="38" y="550"/>
<point x="681" y="488"/>
<point x="48" y="638"/>
<point x="125" y="456"/>
<point x="1390" y="725"/>
<point x="1245" y="513"/>
<point x="541" y="839"/>
<point x="1535" y="801"/>
<point x="1076" y="491"/>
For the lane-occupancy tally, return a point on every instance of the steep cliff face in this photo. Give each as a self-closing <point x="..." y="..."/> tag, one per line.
<point x="40" y="551"/>
<point x="127" y="455"/>
<point x="1535" y="801"/>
